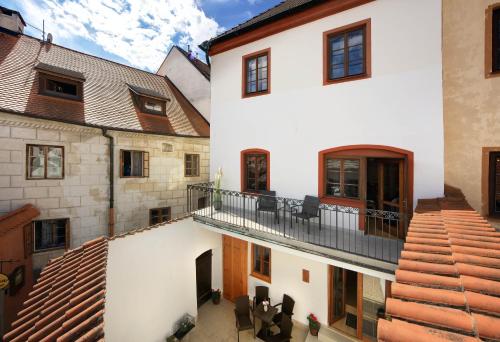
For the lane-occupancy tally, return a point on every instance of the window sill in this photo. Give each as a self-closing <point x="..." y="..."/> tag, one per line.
<point x="328" y="81"/>
<point x="56" y="96"/>
<point x="44" y="178"/>
<point x="245" y="95"/>
<point x="493" y="74"/>
<point x="49" y="249"/>
<point x="262" y="277"/>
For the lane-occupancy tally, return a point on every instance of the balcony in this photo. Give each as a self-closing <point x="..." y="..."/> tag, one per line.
<point x="366" y="237"/>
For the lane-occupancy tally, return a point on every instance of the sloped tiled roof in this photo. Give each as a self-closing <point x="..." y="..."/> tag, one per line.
<point x="18" y="218"/>
<point x="203" y="68"/>
<point x="447" y="284"/>
<point x="67" y="302"/>
<point x="107" y="99"/>
<point x="284" y="8"/>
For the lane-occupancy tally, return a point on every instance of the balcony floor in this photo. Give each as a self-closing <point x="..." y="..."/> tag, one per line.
<point x="344" y="237"/>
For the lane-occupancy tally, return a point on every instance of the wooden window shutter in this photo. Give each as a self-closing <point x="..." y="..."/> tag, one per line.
<point x="67" y="232"/>
<point x="145" y="165"/>
<point x="28" y="240"/>
<point x="121" y="163"/>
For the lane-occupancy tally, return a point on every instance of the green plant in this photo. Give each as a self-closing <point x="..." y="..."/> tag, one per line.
<point x="216" y="296"/>
<point x="313" y="322"/>
<point x="217" y="192"/>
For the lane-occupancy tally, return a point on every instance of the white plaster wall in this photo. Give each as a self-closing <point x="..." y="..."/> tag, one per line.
<point x="401" y="105"/>
<point x="286" y="278"/>
<point x="151" y="280"/>
<point x="188" y="79"/>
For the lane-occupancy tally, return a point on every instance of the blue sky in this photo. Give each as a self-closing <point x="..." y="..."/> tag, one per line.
<point x="134" y="32"/>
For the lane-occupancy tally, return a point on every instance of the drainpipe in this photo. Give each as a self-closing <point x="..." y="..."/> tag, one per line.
<point x="111" y="214"/>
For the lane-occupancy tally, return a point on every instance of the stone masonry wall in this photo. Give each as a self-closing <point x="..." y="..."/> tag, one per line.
<point x="83" y="194"/>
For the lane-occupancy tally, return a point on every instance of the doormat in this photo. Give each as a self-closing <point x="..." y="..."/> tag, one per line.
<point x="351" y="320"/>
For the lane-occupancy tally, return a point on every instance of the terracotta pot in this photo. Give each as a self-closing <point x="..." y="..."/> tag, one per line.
<point x="314" y="330"/>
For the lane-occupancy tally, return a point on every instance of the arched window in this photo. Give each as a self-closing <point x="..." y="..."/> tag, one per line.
<point x="255" y="170"/>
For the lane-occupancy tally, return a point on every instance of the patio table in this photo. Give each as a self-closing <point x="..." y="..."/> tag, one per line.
<point x="266" y="318"/>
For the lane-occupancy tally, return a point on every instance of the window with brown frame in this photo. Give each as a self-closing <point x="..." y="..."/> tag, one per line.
<point x="44" y="162"/>
<point x="152" y="106"/>
<point x="60" y="87"/>
<point x="261" y="262"/>
<point x="192" y="165"/>
<point x="342" y="177"/>
<point x="159" y="215"/>
<point x="51" y="234"/>
<point x="134" y="163"/>
<point x="256" y="172"/>
<point x="256" y="73"/>
<point x="347" y="53"/>
<point x="496" y="40"/>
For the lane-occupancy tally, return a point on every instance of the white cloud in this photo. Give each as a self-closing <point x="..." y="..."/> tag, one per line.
<point x="138" y="31"/>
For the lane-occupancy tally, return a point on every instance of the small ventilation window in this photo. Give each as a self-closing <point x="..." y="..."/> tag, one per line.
<point x="60" y="87"/>
<point x="153" y="106"/>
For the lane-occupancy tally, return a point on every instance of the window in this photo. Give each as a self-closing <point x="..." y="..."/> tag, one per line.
<point x="256" y="172"/>
<point x="256" y="73"/>
<point x="494" y="184"/>
<point x="134" y="164"/>
<point x="51" y="234"/>
<point x="342" y="177"/>
<point x="44" y="162"/>
<point x="152" y="106"/>
<point x="496" y="40"/>
<point x="347" y="52"/>
<point x="261" y="262"/>
<point x="60" y="87"/>
<point x="159" y="215"/>
<point x="192" y="165"/>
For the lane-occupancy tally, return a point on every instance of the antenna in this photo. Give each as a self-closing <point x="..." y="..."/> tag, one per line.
<point x="43" y="30"/>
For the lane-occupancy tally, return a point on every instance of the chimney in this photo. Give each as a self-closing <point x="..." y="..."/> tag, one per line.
<point x="11" y="21"/>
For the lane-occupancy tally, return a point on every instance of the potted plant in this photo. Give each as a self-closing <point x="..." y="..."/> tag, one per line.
<point x="217" y="192"/>
<point x="314" y="324"/>
<point x="216" y="296"/>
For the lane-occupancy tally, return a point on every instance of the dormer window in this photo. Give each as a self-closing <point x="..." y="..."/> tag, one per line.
<point x="149" y="101"/>
<point x="152" y="106"/>
<point x="60" y="82"/>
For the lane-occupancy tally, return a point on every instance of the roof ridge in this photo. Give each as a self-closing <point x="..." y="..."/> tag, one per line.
<point x="91" y="55"/>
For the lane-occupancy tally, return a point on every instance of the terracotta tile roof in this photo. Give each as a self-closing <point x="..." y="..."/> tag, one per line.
<point x="18" y="218"/>
<point x="203" y="68"/>
<point x="283" y="9"/>
<point x="107" y="97"/>
<point x="67" y="302"/>
<point x="447" y="284"/>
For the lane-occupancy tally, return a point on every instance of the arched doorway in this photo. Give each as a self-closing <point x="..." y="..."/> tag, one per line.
<point x="204" y="277"/>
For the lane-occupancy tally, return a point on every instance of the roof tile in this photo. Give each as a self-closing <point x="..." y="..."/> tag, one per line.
<point x="446" y="289"/>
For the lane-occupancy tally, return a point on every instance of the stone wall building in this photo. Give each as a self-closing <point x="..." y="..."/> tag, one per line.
<point x="61" y="112"/>
<point x="471" y="37"/>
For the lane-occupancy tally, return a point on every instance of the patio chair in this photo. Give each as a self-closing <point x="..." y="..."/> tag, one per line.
<point x="310" y="209"/>
<point x="286" y="309"/>
<point x="242" y="315"/>
<point x="285" y="334"/>
<point x="261" y="294"/>
<point x="267" y="202"/>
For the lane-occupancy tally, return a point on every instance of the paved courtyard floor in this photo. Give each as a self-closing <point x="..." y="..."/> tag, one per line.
<point x="216" y="323"/>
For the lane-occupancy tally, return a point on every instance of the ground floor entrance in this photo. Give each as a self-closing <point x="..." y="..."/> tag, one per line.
<point x="356" y="301"/>
<point x="235" y="275"/>
<point x="204" y="277"/>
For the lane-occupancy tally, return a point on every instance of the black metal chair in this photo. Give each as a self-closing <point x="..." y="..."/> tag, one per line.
<point x="242" y="315"/>
<point x="310" y="209"/>
<point x="267" y="202"/>
<point x="286" y="309"/>
<point x="261" y="294"/>
<point x="285" y="334"/>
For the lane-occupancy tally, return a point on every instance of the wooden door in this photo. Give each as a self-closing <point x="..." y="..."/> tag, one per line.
<point x="235" y="262"/>
<point x="494" y="185"/>
<point x="336" y="288"/>
<point x="204" y="277"/>
<point x="392" y="193"/>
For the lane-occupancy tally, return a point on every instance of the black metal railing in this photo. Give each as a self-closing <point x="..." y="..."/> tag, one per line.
<point x="371" y="233"/>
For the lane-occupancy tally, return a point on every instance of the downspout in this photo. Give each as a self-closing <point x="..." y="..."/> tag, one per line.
<point x="111" y="214"/>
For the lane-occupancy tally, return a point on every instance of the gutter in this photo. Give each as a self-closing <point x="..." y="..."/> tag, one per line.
<point x="111" y="213"/>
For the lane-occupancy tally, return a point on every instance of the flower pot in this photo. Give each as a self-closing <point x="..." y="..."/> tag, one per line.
<point x="218" y="205"/>
<point x="314" y="330"/>
<point x="216" y="300"/>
